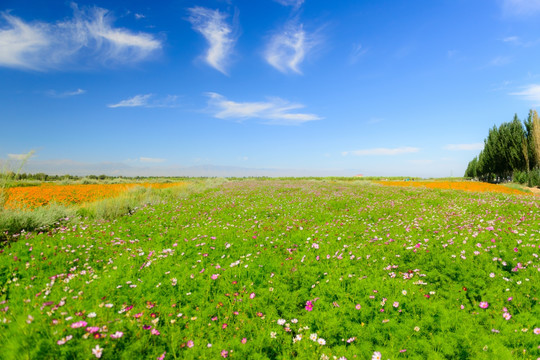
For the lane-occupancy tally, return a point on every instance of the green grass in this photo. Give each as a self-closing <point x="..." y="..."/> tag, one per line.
<point x="233" y="264"/>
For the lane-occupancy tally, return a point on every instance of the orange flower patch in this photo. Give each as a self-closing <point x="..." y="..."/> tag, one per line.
<point x="35" y="196"/>
<point x="475" y="186"/>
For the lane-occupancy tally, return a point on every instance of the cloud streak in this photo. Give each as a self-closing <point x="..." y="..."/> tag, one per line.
<point x="530" y="93"/>
<point x="146" y="101"/>
<point x="293" y="3"/>
<point x="382" y="151"/>
<point x="521" y="7"/>
<point x="151" y="160"/>
<point x="464" y="147"/>
<point x="288" y="48"/>
<point x="274" y="111"/>
<point x="217" y="32"/>
<point x="88" y="38"/>
<point x="64" y="94"/>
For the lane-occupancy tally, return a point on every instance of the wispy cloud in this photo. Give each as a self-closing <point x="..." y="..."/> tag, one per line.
<point x="464" y="147"/>
<point x="56" y="94"/>
<point x="288" y="48"/>
<point x="148" y="101"/>
<point x="217" y="32"/>
<point x="500" y="61"/>
<point x="521" y="7"/>
<point x="274" y="111"/>
<point x="357" y="52"/>
<point x="20" y="156"/>
<point x="382" y="151"/>
<point x="294" y="3"/>
<point x="151" y="160"/>
<point x="86" y="39"/>
<point x="530" y="93"/>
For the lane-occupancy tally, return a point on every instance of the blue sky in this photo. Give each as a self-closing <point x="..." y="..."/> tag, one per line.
<point x="266" y="87"/>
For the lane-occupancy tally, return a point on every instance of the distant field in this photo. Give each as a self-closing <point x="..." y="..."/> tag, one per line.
<point x="281" y="269"/>
<point x="30" y="197"/>
<point x="474" y="186"/>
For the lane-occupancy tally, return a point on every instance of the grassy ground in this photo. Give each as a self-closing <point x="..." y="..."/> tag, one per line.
<point x="279" y="270"/>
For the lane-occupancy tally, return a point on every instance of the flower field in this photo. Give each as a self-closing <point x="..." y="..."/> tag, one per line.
<point x="281" y="270"/>
<point x="35" y="196"/>
<point x="475" y="186"/>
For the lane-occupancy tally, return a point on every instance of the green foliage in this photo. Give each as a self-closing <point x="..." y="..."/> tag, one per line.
<point x="509" y="150"/>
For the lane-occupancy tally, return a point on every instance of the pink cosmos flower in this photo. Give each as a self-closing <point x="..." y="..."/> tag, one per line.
<point x="244" y="340"/>
<point x="224" y="326"/>
<point x="484" y="304"/>
<point x="214" y="276"/>
<point x="224" y="353"/>
<point x="155" y="332"/>
<point x="92" y="329"/>
<point x="507" y="316"/>
<point x="536" y="331"/>
<point x="309" y="305"/>
<point x="117" y="335"/>
<point x="162" y="356"/>
<point x="252" y="295"/>
<point x="79" y="324"/>
<point x="190" y="344"/>
<point x="358" y="306"/>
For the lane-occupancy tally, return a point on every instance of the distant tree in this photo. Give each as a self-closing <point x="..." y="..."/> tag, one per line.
<point x="535" y="135"/>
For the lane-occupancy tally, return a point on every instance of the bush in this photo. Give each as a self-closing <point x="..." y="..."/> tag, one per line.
<point x="521" y="177"/>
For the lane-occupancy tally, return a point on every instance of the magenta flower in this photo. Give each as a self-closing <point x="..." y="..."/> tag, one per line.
<point x="244" y="340"/>
<point x="252" y="295"/>
<point x="484" y="304"/>
<point x="92" y="329"/>
<point x="214" y="276"/>
<point x="190" y="344"/>
<point x="224" y="326"/>
<point x="224" y="353"/>
<point x="309" y="305"/>
<point x="162" y="356"/>
<point x="155" y="332"/>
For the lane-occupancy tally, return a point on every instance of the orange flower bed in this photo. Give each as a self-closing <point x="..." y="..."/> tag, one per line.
<point x="35" y="196"/>
<point x="456" y="185"/>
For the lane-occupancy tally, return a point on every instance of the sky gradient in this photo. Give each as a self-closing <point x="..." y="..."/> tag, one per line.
<point x="267" y="87"/>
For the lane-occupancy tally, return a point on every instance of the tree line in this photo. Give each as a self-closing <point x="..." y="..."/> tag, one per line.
<point x="511" y="151"/>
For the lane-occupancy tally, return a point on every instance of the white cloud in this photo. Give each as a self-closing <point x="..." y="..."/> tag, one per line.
<point x="521" y="7"/>
<point x="144" y="101"/>
<point x="464" y="147"/>
<point x="274" y="111"/>
<point x="88" y="38"/>
<point x="288" y="48"/>
<point x="294" y="3"/>
<point x="382" y="151"/>
<point x="511" y="39"/>
<point x="56" y="94"/>
<point x="139" y="16"/>
<point x="136" y="101"/>
<point x="20" y="156"/>
<point x="151" y="160"/>
<point x="211" y="24"/>
<point x="530" y="93"/>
